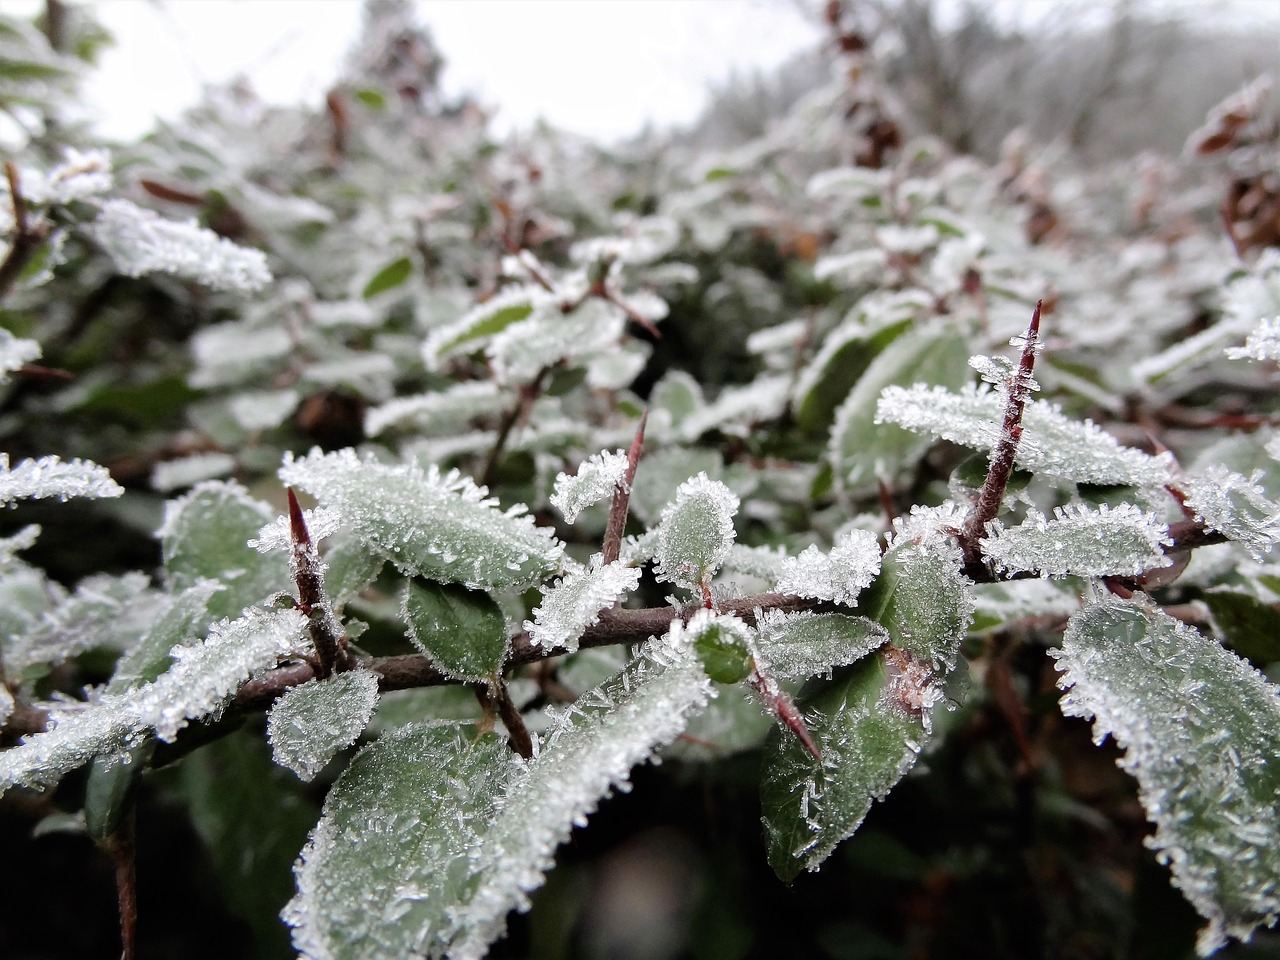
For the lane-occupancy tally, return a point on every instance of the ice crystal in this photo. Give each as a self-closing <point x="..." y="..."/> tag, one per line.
<point x="794" y="646"/>
<point x="437" y="412"/>
<point x="1263" y="342"/>
<point x="1000" y="371"/>
<point x="80" y="176"/>
<point x="142" y="242"/>
<point x="696" y="531"/>
<point x="838" y="576"/>
<point x="104" y="611"/>
<point x="1052" y="443"/>
<point x="187" y="471"/>
<point x="24" y="539"/>
<point x="14" y="353"/>
<point x="316" y="719"/>
<point x="1199" y="728"/>
<point x="1238" y="507"/>
<point x="574" y="603"/>
<point x="1081" y="541"/>
<point x="597" y="478"/>
<point x="425" y="522"/>
<point x="201" y="679"/>
<point x="52" y="477"/>
<point x="321" y="523"/>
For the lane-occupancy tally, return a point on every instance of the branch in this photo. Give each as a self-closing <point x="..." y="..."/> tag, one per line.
<point x="612" y="544"/>
<point x="26" y="237"/>
<point x="517" y="413"/>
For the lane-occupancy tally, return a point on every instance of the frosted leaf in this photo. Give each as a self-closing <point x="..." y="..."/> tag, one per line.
<point x="1200" y="729"/>
<point x="1227" y="502"/>
<point x="462" y="631"/>
<point x="838" y="576"/>
<point x="142" y="242"/>
<point x="922" y="599"/>
<point x="437" y="412"/>
<point x="996" y="604"/>
<point x="597" y="479"/>
<point x="852" y="268"/>
<point x="794" y="646"/>
<point x="438" y="525"/>
<point x="930" y="525"/>
<point x="825" y="381"/>
<point x="24" y="539"/>
<point x="1000" y="371"/>
<point x="696" y="532"/>
<point x="484" y="321"/>
<point x="6" y="704"/>
<point x="14" y="353"/>
<point x="737" y="408"/>
<point x="1052" y="443"/>
<point x="170" y="475"/>
<point x="852" y="183"/>
<point x="549" y="337"/>
<point x="1081" y="541"/>
<point x="617" y="369"/>
<point x="225" y="353"/>
<point x="1263" y="342"/>
<point x="104" y="611"/>
<point x="867" y="746"/>
<point x="321" y="523"/>
<point x="202" y="678"/>
<point x="80" y="176"/>
<point x="263" y="409"/>
<point x="574" y="603"/>
<point x="431" y="838"/>
<point x="661" y="472"/>
<point x="53" y="477"/>
<point x="909" y="240"/>
<point x="314" y="720"/>
<point x="763" y="563"/>
<point x="722" y="642"/>
<point x="178" y="618"/>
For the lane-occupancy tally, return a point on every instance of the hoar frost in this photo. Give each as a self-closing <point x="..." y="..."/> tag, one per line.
<point x="838" y="576"/>
<point x="574" y="603"/>
<point x="1081" y="541"/>
<point x="696" y="531"/>
<point x="52" y="477"/>
<point x="314" y="720"/>
<point x="597" y="479"/>
<point x="1238" y="507"/>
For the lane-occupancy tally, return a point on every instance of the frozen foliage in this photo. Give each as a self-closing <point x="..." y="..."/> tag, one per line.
<point x="793" y="646"/>
<point x="548" y="337"/>
<point x="696" y="532"/>
<point x="1081" y="541"/>
<point x="1263" y="342"/>
<point x="321" y="523"/>
<point x="203" y="676"/>
<point x="838" y="576"/>
<point x="316" y="719"/>
<point x="187" y="471"/>
<point x="484" y="321"/>
<point x="80" y="176"/>
<point x="104" y="611"/>
<point x="574" y="603"/>
<point x="263" y="409"/>
<point x="429" y="839"/>
<point x="425" y="522"/>
<point x="923" y="600"/>
<point x="462" y="632"/>
<point x="52" y="477"/>
<point x="1235" y="506"/>
<point x="24" y="539"/>
<point x="1199" y="728"/>
<point x="14" y="353"/>
<point x="1052" y="444"/>
<point x="437" y="412"/>
<point x="597" y="479"/>
<point x="142" y="242"/>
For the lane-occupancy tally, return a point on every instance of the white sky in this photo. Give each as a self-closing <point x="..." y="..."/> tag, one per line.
<point x="596" y="67"/>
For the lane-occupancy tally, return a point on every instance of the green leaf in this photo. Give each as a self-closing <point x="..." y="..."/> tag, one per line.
<point x="696" y="532"/>
<point x="922" y="600"/>
<point x="483" y="320"/>
<point x="253" y="817"/>
<point x="795" y="646"/>
<point x="388" y="278"/>
<point x="426" y="523"/>
<point x="1250" y="627"/>
<point x="833" y="373"/>
<point x="863" y="451"/>
<point x="373" y="99"/>
<point x="1200" y="730"/>
<point x="462" y="631"/>
<point x="867" y="746"/>
<point x="205" y="536"/>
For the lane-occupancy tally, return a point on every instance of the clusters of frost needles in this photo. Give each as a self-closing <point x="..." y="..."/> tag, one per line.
<point x="82" y="175"/>
<point x="321" y="523"/>
<point x="142" y="242"/>
<point x="1263" y="342"/>
<point x="1079" y="540"/>
<point x="794" y="646"/>
<point x="1236" y="506"/>
<point x="597" y="478"/>
<point x="15" y="352"/>
<point x="696" y="531"/>
<point x="574" y="602"/>
<point x="435" y="412"/>
<point x="53" y="477"/>
<point x="314" y="720"/>
<point x="837" y="576"/>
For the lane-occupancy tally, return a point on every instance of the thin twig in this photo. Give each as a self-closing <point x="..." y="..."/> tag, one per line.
<point x="517" y="413"/>
<point x="1006" y="450"/>
<point x="123" y="850"/>
<point x="308" y="575"/>
<point x="612" y="544"/>
<point x="26" y="238"/>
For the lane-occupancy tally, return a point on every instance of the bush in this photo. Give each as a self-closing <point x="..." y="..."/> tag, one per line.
<point x="611" y="457"/>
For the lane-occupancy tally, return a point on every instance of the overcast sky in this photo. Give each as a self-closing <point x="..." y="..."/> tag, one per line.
<point x="596" y="67"/>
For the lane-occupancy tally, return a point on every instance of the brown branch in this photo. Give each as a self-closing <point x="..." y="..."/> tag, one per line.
<point x="612" y="543"/>
<point x="1006" y="450"/>
<point x="122" y="850"/>
<point x="26" y="237"/>
<point x="308" y="575"/>
<point x="517" y="413"/>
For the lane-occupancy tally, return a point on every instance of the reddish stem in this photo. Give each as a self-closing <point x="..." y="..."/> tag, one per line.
<point x="612" y="545"/>
<point x="309" y="578"/>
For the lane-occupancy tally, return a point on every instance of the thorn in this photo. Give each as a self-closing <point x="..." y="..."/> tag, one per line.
<point x="782" y="707"/>
<point x="612" y="545"/>
<point x="297" y="525"/>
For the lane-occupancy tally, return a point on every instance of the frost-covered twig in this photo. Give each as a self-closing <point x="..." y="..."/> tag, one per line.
<point x="308" y="575"/>
<point x="612" y="544"/>
<point x="26" y="236"/>
<point x="518" y="412"/>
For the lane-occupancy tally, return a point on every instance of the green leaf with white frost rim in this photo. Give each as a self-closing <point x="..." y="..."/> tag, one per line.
<point x="597" y="478"/>
<point x="314" y="720"/>
<point x="204" y="537"/>
<point x="922" y="600"/>
<point x="430" y="839"/>
<point x="483" y="321"/>
<point x="863" y="450"/>
<point x="1200" y="730"/>
<point x="696" y="532"/>
<point x="462" y="631"/>
<point x="1081" y="541"/>
<point x="574" y="603"/>
<point x="436" y="525"/>
<point x="794" y="646"/>
<point x="867" y="746"/>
